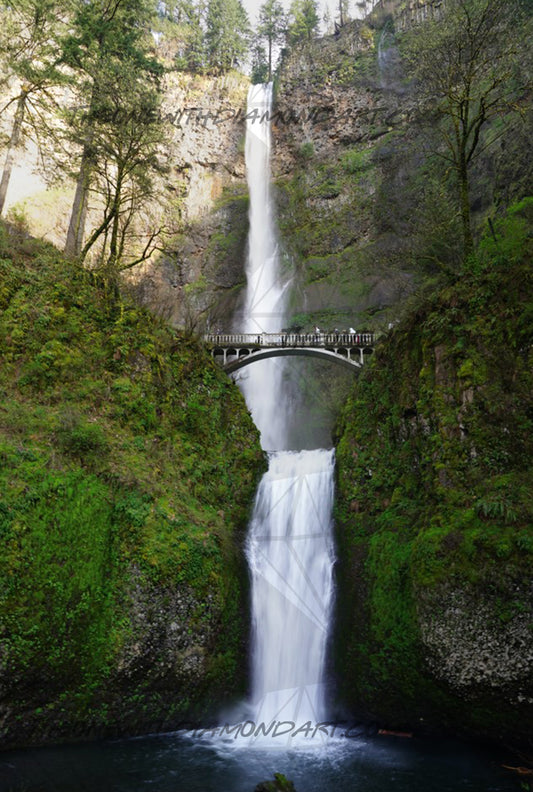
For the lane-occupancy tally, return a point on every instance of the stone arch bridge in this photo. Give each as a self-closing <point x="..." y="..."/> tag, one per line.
<point x="236" y="350"/>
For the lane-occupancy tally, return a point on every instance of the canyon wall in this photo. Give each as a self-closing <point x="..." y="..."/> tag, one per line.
<point x="434" y="509"/>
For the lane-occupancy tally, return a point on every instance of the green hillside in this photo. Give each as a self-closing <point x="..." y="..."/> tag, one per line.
<point x="128" y="463"/>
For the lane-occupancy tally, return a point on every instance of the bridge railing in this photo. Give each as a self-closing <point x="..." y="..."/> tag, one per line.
<point x="290" y="339"/>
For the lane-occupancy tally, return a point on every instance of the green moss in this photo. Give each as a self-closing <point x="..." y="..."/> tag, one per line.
<point x="125" y="454"/>
<point x="58" y="569"/>
<point x="307" y="151"/>
<point x="435" y="487"/>
<point x="234" y="204"/>
<point x="356" y="161"/>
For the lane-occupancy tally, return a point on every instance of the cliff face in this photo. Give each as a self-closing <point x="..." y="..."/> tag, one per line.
<point x="201" y="199"/>
<point x="128" y="463"/>
<point x="196" y="281"/>
<point x="435" y="511"/>
<point x="343" y="148"/>
<point x="363" y="203"/>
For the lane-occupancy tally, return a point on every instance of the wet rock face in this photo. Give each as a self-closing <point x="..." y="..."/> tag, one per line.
<point x="205" y="151"/>
<point x="342" y="154"/>
<point x="324" y="99"/>
<point x="196" y="284"/>
<point x="168" y="639"/>
<point x="470" y="644"/>
<point x="434" y="519"/>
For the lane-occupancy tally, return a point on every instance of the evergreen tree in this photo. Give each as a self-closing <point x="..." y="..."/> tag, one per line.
<point x="108" y="49"/>
<point x="227" y="36"/>
<point x="189" y="17"/>
<point x="29" y="58"/>
<point x="259" y="73"/>
<point x="304" y="20"/>
<point x="272" y="27"/>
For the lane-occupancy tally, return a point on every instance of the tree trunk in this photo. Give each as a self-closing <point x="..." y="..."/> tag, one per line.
<point x="78" y="216"/>
<point x="12" y="146"/>
<point x="112" y="259"/>
<point x="468" y="241"/>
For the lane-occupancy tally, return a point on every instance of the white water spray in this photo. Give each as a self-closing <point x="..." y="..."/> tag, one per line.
<point x="289" y="543"/>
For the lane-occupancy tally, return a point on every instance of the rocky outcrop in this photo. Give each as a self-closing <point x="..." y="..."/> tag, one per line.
<point x="406" y="13"/>
<point x="329" y="99"/>
<point x="165" y="640"/>
<point x="361" y="192"/>
<point x="195" y="282"/>
<point x="468" y="644"/>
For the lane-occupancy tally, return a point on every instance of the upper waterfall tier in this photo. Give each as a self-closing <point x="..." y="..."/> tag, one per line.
<point x="264" y="307"/>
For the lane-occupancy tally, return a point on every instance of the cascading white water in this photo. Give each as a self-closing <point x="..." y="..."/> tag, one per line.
<point x="290" y="557"/>
<point x="289" y="543"/>
<point x="264" y="308"/>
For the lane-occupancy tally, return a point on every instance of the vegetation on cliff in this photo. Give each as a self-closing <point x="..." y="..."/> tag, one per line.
<point x="435" y="506"/>
<point x="372" y="179"/>
<point x="467" y="65"/>
<point x="369" y="199"/>
<point x="127" y="466"/>
<point x="126" y="461"/>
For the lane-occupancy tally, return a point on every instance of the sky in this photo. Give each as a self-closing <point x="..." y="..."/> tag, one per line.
<point x="253" y="6"/>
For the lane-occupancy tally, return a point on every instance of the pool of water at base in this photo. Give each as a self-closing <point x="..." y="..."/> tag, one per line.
<point x="181" y="761"/>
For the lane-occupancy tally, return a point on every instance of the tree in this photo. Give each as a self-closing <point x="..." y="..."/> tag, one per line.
<point x="272" y="27"/>
<point x="465" y="62"/>
<point x="304" y="20"/>
<point x="259" y="71"/>
<point x="29" y="54"/>
<point x="124" y="146"/>
<point x="189" y="18"/>
<point x="107" y="48"/>
<point x="228" y="31"/>
<point x="344" y="12"/>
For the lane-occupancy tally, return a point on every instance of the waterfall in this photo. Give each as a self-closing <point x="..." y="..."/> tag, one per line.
<point x="264" y="308"/>
<point x="290" y="557"/>
<point x="289" y="546"/>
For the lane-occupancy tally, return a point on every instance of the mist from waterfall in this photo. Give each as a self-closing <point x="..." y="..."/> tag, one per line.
<point x="289" y="548"/>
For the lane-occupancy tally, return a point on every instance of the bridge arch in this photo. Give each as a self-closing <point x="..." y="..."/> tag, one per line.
<point x="233" y="351"/>
<point x="263" y="354"/>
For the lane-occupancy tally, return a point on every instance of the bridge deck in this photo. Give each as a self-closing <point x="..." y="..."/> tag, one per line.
<point x="296" y="340"/>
